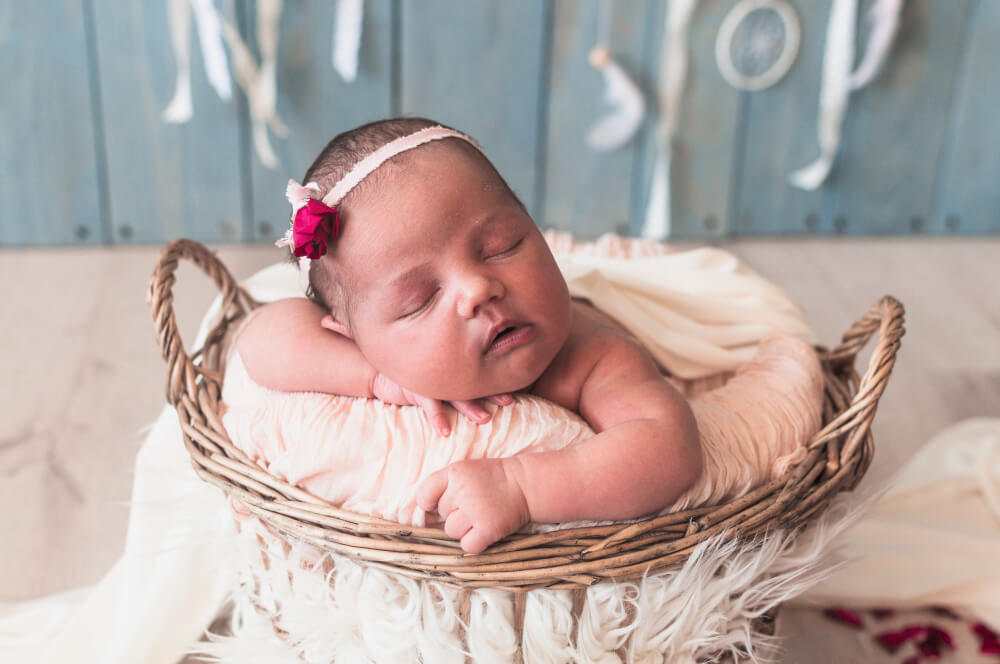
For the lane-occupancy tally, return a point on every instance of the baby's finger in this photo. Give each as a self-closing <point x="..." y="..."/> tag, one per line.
<point x="457" y="524"/>
<point x="501" y="399"/>
<point x="476" y="541"/>
<point x="446" y="504"/>
<point x="430" y="490"/>
<point x="435" y="412"/>
<point x="472" y="410"/>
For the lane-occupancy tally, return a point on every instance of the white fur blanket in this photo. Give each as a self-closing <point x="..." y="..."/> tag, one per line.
<point x="359" y="614"/>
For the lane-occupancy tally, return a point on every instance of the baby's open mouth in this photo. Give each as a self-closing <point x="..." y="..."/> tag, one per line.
<point x="503" y="332"/>
<point x="508" y="336"/>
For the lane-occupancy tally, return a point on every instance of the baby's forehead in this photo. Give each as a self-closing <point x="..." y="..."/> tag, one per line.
<point x="421" y="198"/>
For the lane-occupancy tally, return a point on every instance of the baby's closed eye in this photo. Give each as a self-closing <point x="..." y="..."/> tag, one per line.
<point x="502" y="248"/>
<point x="418" y="303"/>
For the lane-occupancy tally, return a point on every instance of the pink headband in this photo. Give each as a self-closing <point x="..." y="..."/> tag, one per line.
<point x="315" y="222"/>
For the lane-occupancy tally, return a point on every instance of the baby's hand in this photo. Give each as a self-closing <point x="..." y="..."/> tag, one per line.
<point x="385" y="389"/>
<point x="478" y="499"/>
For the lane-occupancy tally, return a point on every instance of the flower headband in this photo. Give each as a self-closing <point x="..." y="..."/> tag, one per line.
<point x="316" y="222"/>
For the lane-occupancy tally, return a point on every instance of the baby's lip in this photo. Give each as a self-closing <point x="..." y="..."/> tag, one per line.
<point x="505" y="327"/>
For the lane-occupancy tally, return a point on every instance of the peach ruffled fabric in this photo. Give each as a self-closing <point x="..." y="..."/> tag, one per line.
<point x="369" y="457"/>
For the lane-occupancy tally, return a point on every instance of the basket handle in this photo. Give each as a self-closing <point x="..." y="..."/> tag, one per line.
<point x="181" y="369"/>
<point x="885" y="317"/>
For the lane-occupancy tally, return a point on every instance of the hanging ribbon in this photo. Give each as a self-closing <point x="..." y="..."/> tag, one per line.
<point x="673" y="71"/>
<point x="347" y="38"/>
<point x="180" y="108"/>
<point x="837" y="62"/>
<point x="884" y="17"/>
<point x="624" y="98"/>
<point x="259" y="83"/>
<point x="206" y="19"/>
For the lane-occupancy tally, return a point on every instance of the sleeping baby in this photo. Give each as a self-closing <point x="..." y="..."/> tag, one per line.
<point x="436" y="284"/>
<point x="430" y="285"/>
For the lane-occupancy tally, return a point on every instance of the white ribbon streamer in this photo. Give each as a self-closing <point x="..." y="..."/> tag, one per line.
<point x="884" y="16"/>
<point x="837" y="62"/>
<point x="259" y="84"/>
<point x="627" y="106"/>
<point x="347" y="38"/>
<point x="206" y="19"/>
<point x="623" y="97"/>
<point x="673" y="71"/>
<point x="180" y="108"/>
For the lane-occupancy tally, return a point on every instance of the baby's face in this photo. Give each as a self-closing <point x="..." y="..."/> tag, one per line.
<point x="456" y="294"/>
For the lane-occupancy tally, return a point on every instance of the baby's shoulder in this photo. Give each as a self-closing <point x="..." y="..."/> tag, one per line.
<point x="280" y="317"/>
<point x="273" y="334"/>
<point x="595" y="342"/>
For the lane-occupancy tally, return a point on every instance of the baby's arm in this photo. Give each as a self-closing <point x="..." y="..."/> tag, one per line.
<point x="645" y="454"/>
<point x="285" y="348"/>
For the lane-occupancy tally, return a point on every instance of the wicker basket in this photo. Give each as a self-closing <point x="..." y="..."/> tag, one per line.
<point x="838" y="456"/>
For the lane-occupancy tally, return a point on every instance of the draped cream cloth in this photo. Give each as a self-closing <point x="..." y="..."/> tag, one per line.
<point x="162" y="593"/>
<point x="934" y="537"/>
<point x="698" y="312"/>
<point x="173" y="575"/>
<point x="752" y="429"/>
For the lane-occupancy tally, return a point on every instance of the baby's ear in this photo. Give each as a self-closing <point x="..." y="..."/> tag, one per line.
<point x="330" y="323"/>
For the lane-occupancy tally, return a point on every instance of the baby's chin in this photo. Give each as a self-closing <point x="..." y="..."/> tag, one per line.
<point x="472" y="390"/>
<point x="478" y="382"/>
<point x="505" y="385"/>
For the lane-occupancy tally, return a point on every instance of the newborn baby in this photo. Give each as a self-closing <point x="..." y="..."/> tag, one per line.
<point x="430" y="284"/>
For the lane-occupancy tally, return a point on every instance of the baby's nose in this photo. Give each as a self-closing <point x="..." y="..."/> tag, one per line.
<point x="477" y="292"/>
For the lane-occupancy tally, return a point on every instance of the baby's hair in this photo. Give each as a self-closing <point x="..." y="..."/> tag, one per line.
<point x="326" y="282"/>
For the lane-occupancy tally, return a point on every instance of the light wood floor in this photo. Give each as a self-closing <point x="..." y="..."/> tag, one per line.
<point x="83" y="377"/>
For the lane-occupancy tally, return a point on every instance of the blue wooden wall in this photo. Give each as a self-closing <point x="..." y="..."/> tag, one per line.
<point x="86" y="159"/>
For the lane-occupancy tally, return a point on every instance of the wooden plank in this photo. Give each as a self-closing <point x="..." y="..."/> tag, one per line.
<point x="49" y="187"/>
<point x="586" y="191"/>
<point x="642" y="164"/>
<point x="165" y="180"/>
<point x="478" y="66"/>
<point x="705" y="149"/>
<point x="894" y="130"/>
<point x="969" y="197"/>
<point x="707" y="137"/>
<point x="779" y="136"/>
<point x="315" y="102"/>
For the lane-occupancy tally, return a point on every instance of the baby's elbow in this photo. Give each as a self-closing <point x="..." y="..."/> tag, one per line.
<point x="681" y="460"/>
<point x="691" y="460"/>
<point x="696" y="460"/>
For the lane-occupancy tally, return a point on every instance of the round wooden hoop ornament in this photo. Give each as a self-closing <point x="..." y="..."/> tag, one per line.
<point x="724" y="43"/>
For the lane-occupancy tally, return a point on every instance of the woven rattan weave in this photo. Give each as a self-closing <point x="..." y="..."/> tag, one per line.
<point x="838" y="456"/>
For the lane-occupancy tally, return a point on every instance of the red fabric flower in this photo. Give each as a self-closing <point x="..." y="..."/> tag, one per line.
<point x="315" y="225"/>
<point x="989" y="641"/>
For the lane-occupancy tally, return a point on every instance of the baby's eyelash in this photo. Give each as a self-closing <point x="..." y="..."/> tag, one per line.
<point x="423" y="305"/>
<point x="508" y="249"/>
